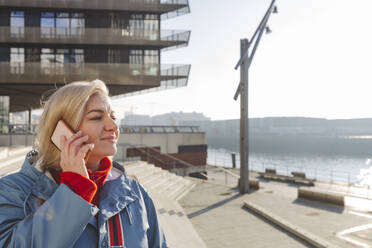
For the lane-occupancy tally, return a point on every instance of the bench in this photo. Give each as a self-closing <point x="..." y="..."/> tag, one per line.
<point x="298" y="174"/>
<point x="253" y="184"/>
<point x="297" y="177"/>
<point x="300" y="177"/>
<point x="321" y="195"/>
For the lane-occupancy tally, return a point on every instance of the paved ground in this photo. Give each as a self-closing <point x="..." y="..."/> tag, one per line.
<point x="218" y="215"/>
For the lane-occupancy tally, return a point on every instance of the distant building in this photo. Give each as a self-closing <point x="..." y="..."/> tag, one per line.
<point x="136" y="120"/>
<point x="178" y="118"/>
<point x="168" y="119"/>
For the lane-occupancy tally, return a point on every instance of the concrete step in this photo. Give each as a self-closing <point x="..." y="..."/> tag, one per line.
<point x="134" y="163"/>
<point x="15" y="155"/>
<point x="177" y="188"/>
<point x="183" y="191"/>
<point x="153" y="178"/>
<point x="169" y="186"/>
<point x="157" y="180"/>
<point x="164" y="180"/>
<point x="145" y="173"/>
<point x="21" y="150"/>
<point x="11" y="167"/>
<point x="138" y="168"/>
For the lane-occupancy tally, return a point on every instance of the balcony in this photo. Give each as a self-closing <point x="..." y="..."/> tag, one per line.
<point x="26" y="82"/>
<point x="94" y="36"/>
<point x="176" y="7"/>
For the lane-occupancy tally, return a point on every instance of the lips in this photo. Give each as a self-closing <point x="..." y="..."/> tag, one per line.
<point x="110" y="138"/>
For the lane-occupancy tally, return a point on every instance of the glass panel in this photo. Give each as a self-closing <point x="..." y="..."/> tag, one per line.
<point x="47" y="23"/>
<point x="17" y="60"/>
<point x="47" y="59"/>
<point x="62" y="56"/>
<point x="114" y="55"/>
<point x="136" y="25"/>
<point x="62" y="25"/>
<point x="77" y="56"/>
<point x="17" y="24"/>
<point x="77" y="26"/>
<point x="136" y="57"/>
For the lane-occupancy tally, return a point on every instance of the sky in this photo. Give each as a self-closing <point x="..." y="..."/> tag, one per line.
<point x="315" y="63"/>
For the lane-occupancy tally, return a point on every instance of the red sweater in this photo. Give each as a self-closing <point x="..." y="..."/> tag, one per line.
<point x="87" y="188"/>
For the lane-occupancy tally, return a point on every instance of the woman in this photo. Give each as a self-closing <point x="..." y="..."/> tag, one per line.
<point x="68" y="199"/>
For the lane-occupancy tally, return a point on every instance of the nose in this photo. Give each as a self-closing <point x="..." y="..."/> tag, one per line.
<point x="110" y="124"/>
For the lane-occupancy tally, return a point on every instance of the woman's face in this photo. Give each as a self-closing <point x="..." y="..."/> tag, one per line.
<point x="99" y="124"/>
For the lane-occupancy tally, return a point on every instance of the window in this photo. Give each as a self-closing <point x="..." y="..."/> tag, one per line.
<point x="61" y="24"/>
<point x="47" y="59"/>
<point x="17" y="24"/>
<point x="77" y="23"/>
<point x="17" y="60"/>
<point x="47" y="24"/>
<point x="135" y="61"/>
<point x="113" y="55"/>
<point x="136" y="25"/>
<point x="53" y="60"/>
<point x="151" y="60"/>
<point x="77" y="56"/>
<point x="136" y="57"/>
<point x="151" y="57"/>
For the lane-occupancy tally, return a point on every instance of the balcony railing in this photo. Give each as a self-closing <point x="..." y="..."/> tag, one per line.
<point x="158" y="6"/>
<point x="168" y="81"/>
<point x="176" y="12"/>
<point x="115" y="74"/>
<point x="93" y="36"/>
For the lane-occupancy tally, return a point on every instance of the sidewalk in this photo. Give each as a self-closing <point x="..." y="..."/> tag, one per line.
<point x="219" y="216"/>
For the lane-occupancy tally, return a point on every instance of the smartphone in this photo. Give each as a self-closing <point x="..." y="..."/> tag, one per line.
<point x="63" y="129"/>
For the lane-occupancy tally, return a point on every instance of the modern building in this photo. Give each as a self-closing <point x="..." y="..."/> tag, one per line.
<point x="47" y="43"/>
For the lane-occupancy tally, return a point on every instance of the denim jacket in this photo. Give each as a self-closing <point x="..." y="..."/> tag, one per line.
<point x="35" y="212"/>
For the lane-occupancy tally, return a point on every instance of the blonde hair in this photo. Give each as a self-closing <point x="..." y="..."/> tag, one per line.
<point x="67" y="103"/>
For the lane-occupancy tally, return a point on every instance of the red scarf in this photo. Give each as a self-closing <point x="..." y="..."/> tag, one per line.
<point x="88" y="189"/>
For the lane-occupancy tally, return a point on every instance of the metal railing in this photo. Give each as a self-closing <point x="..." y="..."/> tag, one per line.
<point x="37" y="72"/>
<point x="6" y="128"/>
<point x="158" y="129"/>
<point x="319" y="174"/>
<point x="170" y="164"/>
<point x="82" y="35"/>
<point x="168" y="81"/>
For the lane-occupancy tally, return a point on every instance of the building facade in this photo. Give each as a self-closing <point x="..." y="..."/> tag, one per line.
<point x="47" y="43"/>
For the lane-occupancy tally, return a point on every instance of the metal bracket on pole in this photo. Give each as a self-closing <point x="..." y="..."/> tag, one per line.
<point x="237" y="92"/>
<point x="260" y="29"/>
<point x="262" y="25"/>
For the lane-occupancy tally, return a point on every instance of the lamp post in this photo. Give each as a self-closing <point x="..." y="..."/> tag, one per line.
<point x="244" y="63"/>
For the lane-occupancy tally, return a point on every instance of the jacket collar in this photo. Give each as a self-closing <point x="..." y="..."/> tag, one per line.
<point x="43" y="186"/>
<point x="115" y="195"/>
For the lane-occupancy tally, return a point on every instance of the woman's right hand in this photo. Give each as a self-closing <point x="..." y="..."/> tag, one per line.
<point x="73" y="153"/>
